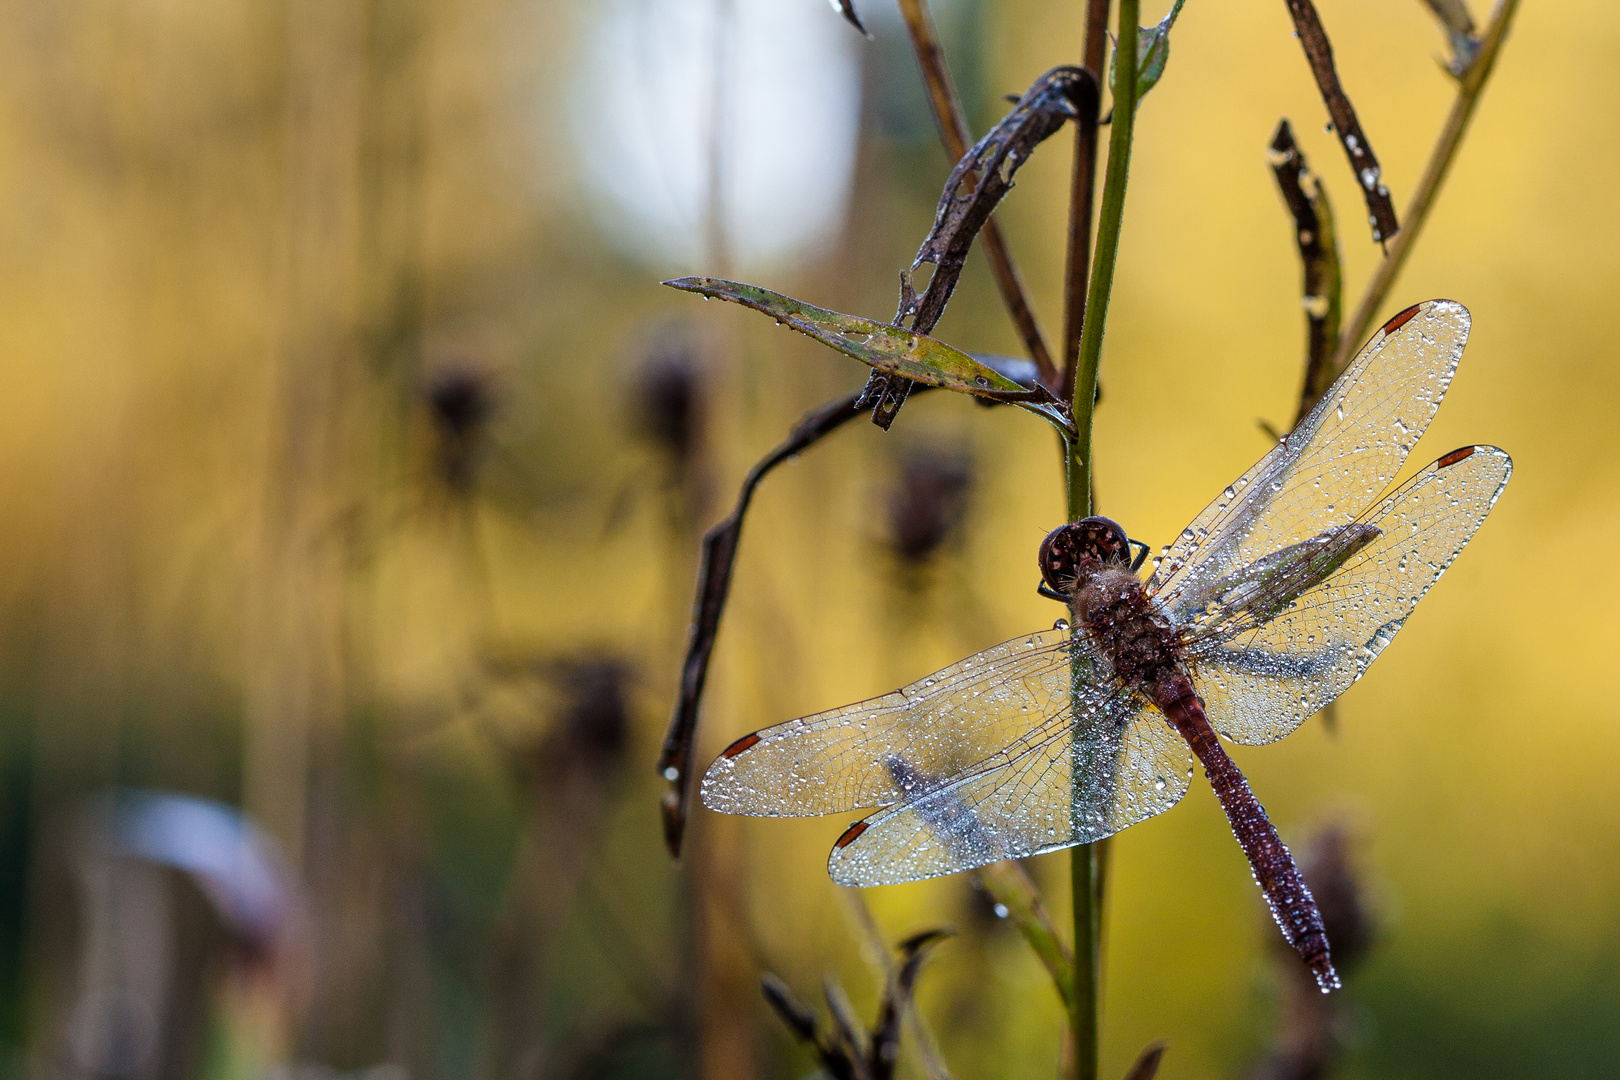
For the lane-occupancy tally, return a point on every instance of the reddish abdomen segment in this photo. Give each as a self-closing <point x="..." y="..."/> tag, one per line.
<point x="1290" y="900"/>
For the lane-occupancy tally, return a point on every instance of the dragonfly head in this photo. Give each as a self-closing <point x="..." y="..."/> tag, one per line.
<point x="1072" y="553"/>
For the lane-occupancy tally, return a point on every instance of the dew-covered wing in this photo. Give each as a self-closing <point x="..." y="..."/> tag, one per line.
<point x="1129" y="763"/>
<point x="942" y="725"/>
<point x="1261" y="679"/>
<point x="1336" y="462"/>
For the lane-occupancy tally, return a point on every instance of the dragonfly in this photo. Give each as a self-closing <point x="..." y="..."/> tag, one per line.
<point x="1268" y="606"/>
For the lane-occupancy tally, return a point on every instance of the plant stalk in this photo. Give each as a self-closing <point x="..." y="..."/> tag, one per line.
<point x="1085" y="863"/>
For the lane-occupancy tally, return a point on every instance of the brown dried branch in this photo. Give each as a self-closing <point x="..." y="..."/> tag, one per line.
<point x="802" y="1021"/>
<point x="978" y="182"/>
<point x="954" y="133"/>
<point x="1147" y="1066"/>
<point x="717" y="562"/>
<point x="1363" y="163"/>
<point x="1082" y="191"/>
<point x="927" y="1051"/>
<point x="844" y="1047"/>
<point x="846" y="8"/>
<point x="714" y="585"/>
<point x="884" y="1050"/>
<point x="1321" y="291"/>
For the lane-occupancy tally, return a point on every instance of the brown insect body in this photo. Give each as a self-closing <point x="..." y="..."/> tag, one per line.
<point x="1108" y="602"/>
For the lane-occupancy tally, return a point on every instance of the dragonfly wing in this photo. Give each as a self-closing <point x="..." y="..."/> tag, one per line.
<point x="1340" y="458"/>
<point x="1260" y="682"/>
<point x="942" y="725"/>
<point x="1024" y="801"/>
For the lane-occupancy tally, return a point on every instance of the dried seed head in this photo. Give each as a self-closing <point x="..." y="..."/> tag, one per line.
<point x="928" y="502"/>
<point x="461" y="396"/>
<point x="669" y="388"/>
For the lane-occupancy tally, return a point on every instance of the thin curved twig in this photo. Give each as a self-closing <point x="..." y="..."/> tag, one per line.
<point x="1469" y="88"/>
<point x="1363" y="162"/>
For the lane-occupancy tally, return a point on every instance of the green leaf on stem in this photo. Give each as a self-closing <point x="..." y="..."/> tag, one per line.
<point x="1152" y="52"/>
<point x="890" y="349"/>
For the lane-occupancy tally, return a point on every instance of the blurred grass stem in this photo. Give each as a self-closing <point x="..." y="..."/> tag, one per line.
<point x="1085" y="867"/>
<point x="1470" y="86"/>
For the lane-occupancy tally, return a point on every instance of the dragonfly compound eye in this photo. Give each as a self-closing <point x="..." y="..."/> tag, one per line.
<point x="1073" y="549"/>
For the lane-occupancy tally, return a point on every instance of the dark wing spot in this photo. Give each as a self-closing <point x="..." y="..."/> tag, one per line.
<point x="739" y="746"/>
<point x="1402" y="319"/>
<point x="1455" y="456"/>
<point x="850" y="834"/>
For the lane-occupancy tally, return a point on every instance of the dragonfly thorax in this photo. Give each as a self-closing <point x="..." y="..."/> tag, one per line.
<point x="1144" y="650"/>
<point x="1072" y="553"/>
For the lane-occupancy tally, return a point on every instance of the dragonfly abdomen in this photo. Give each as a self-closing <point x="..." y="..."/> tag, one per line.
<point x="1279" y="878"/>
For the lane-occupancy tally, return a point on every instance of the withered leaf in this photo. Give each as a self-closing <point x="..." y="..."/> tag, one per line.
<point x="885" y="347"/>
<point x="846" y="8"/>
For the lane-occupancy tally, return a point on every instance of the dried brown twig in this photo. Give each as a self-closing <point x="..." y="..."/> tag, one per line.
<point x="953" y="132"/>
<point x="1470" y="86"/>
<point x="1369" y="176"/>
<point x="846" y="8"/>
<point x="713" y="587"/>
<point x="1147" y="1065"/>
<point x="844" y="1047"/>
<point x="1321" y="287"/>
<point x="980" y="180"/>
<point x="1459" y="27"/>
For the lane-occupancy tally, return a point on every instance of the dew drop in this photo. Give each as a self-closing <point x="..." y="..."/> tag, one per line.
<point x="1061" y="624"/>
<point x="672" y="774"/>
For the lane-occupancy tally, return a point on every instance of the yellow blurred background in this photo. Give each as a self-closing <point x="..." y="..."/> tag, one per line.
<point x="353" y="463"/>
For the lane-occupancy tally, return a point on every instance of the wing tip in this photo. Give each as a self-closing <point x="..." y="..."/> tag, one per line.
<point x="739" y="746"/>
<point x="1463" y="453"/>
<point x="1401" y="320"/>
<point x="1438" y="309"/>
<point x="851" y="834"/>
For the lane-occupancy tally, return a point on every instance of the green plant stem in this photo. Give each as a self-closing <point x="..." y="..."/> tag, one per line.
<point x="1085" y="863"/>
<point x="1107" y="254"/>
<point x="1469" y="89"/>
<point x="1010" y="886"/>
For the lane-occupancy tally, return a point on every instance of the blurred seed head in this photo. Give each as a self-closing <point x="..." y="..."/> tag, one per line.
<point x="461" y="395"/>
<point x="670" y="390"/>
<point x="1332" y="878"/>
<point x="928" y="503"/>
<point x="596" y="722"/>
<point x="1311" y="1029"/>
<point x="592" y="728"/>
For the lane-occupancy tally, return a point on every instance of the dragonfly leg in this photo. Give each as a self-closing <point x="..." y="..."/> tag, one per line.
<point x="1141" y="556"/>
<point x="1050" y="593"/>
